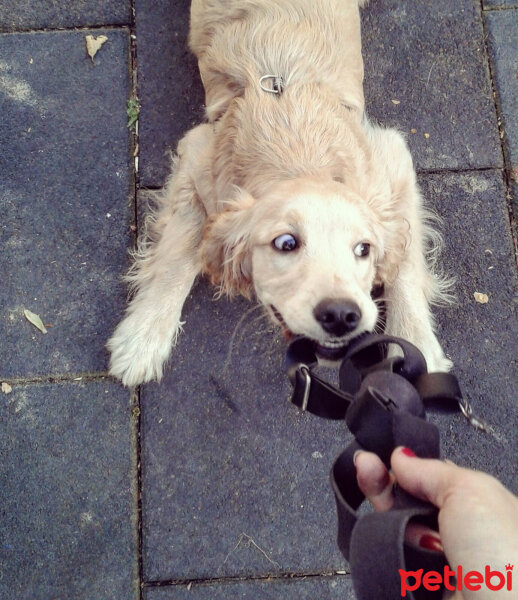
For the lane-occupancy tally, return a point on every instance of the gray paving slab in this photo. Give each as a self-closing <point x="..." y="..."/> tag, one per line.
<point x="503" y="44"/>
<point x="67" y="493"/>
<point x="17" y="15"/>
<point x="170" y="89"/>
<point x="64" y="199"/>
<point x="430" y="57"/>
<point x="310" y="588"/>
<point x="480" y="338"/>
<point x="513" y="191"/>
<point x="235" y="482"/>
<point x="489" y="4"/>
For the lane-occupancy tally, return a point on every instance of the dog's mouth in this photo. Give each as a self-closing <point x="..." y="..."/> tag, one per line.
<point x="330" y="350"/>
<point x="288" y="335"/>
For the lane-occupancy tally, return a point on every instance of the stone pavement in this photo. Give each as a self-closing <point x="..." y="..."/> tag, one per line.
<point x="209" y="485"/>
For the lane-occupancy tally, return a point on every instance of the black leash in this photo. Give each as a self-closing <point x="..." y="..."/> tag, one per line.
<point x="382" y="401"/>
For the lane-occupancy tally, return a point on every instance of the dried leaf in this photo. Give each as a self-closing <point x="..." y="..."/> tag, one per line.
<point x="413" y="130"/>
<point x="426" y="135"/>
<point x="481" y="298"/>
<point x="6" y="388"/>
<point x="35" y="320"/>
<point x="396" y="102"/>
<point x="93" y="44"/>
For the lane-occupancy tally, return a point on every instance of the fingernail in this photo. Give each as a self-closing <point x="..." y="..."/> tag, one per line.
<point x="430" y="542"/>
<point x="355" y="456"/>
<point x="408" y="452"/>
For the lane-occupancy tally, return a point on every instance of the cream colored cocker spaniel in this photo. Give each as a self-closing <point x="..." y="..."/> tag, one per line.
<point x="287" y="193"/>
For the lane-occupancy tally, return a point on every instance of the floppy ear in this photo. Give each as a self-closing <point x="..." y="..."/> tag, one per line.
<point x="395" y="212"/>
<point x="394" y="235"/>
<point x="225" y="248"/>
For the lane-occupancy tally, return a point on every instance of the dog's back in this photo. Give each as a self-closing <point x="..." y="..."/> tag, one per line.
<point x="239" y="41"/>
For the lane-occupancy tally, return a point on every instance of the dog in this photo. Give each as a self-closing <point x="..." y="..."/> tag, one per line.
<point x="287" y="193"/>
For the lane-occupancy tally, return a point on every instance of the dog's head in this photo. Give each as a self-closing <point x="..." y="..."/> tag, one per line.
<point x="310" y="251"/>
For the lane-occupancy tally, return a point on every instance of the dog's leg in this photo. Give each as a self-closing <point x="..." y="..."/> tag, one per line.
<point x="413" y="285"/>
<point x="165" y="267"/>
<point x="409" y="316"/>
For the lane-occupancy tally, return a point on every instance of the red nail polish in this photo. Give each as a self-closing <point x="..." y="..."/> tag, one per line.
<point x="408" y="452"/>
<point x="429" y="542"/>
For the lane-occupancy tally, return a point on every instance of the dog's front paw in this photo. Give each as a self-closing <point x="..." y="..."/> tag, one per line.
<point x="138" y="352"/>
<point x="443" y="365"/>
<point x="439" y="364"/>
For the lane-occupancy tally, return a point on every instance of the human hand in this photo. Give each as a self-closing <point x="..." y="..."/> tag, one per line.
<point x="478" y="516"/>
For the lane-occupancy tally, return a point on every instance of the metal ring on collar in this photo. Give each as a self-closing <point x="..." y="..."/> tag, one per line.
<point x="277" y="86"/>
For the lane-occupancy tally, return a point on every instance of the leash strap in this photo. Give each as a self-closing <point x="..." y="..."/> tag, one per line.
<point x="382" y="402"/>
<point x="310" y="392"/>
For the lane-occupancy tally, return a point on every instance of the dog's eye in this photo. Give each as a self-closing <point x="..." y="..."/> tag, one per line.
<point x="285" y="242"/>
<point x="362" y="249"/>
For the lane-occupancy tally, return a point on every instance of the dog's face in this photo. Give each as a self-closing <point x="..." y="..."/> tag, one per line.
<point x="309" y="252"/>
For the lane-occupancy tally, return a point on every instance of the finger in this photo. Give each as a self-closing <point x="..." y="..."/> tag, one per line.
<point x="374" y="480"/>
<point x="428" y="479"/>
<point x="377" y="484"/>
<point x="423" y="537"/>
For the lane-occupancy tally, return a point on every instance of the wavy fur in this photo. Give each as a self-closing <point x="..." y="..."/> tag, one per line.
<point x="306" y="163"/>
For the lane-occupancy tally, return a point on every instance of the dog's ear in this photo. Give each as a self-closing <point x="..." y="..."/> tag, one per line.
<point x="225" y="248"/>
<point x="393" y="238"/>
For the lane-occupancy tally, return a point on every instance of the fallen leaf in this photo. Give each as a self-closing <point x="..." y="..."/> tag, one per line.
<point x="396" y="102"/>
<point x="481" y="298"/>
<point x="132" y="110"/>
<point x="413" y="130"/>
<point x="35" y="320"/>
<point x="427" y="135"/>
<point x="6" y="388"/>
<point x="93" y="44"/>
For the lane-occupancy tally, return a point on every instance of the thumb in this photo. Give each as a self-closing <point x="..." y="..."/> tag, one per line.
<point x="428" y="479"/>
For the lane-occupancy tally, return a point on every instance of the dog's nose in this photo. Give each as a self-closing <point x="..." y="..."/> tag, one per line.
<point x="337" y="316"/>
